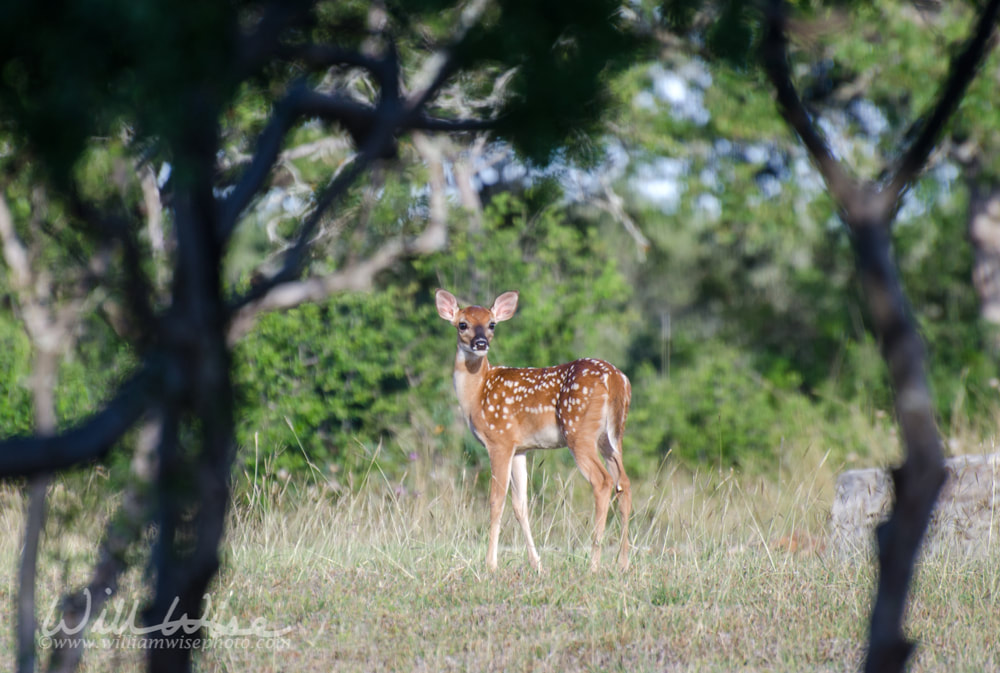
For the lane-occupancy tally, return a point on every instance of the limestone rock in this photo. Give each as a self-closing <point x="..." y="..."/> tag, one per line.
<point x="966" y="513"/>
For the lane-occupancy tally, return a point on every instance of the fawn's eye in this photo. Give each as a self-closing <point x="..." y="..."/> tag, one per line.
<point x="463" y="326"/>
<point x="493" y="325"/>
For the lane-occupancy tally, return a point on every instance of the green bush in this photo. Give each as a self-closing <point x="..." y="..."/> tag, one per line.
<point x="16" y="416"/>
<point x="713" y="409"/>
<point x="336" y="383"/>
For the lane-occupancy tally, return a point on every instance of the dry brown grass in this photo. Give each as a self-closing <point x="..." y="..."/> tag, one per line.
<point x="728" y="573"/>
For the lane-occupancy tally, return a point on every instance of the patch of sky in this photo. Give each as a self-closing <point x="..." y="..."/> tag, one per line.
<point x="683" y="89"/>
<point x="756" y="153"/>
<point x="488" y="175"/>
<point x="806" y="175"/>
<point x="768" y="184"/>
<point x="272" y="199"/>
<point x="499" y="165"/>
<point x="661" y="182"/>
<point x="513" y="172"/>
<point x="164" y="174"/>
<point x="709" y="178"/>
<point x="835" y="138"/>
<point x="945" y="173"/>
<point x="708" y="205"/>
<point x="913" y="208"/>
<point x="292" y="203"/>
<point x="869" y="117"/>
<point x="580" y="183"/>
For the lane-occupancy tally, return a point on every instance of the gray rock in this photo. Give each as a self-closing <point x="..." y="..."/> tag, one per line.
<point x="966" y="514"/>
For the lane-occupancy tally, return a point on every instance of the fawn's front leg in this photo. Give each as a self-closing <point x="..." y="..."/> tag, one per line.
<point x="500" y="464"/>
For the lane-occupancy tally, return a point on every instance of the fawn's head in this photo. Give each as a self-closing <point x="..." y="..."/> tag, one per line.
<point x="475" y="324"/>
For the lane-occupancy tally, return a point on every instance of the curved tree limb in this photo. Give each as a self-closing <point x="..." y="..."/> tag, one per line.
<point x="90" y="440"/>
<point x="963" y="70"/>
<point x="359" y="119"/>
<point x="774" y="53"/>
<point x="356" y="277"/>
<point x="386" y="120"/>
<point x="268" y="148"/>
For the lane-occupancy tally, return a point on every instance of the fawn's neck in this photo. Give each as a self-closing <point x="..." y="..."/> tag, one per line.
<point x="470" y="373"/>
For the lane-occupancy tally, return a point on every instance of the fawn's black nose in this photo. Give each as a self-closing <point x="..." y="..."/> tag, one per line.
<point x="480" y="344"/>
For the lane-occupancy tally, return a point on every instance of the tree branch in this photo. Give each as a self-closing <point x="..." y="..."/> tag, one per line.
<point x="614" y="205"/>
<point x="963" y="70"/>
<point x="430" y="151"/>
<point x="90" y="440"/>
<point x="153" y="207"/>
<point x="378" y="126"/>
<point x="295" y="255"/>
<point x="268" y="147"/>
<point x="356" y="277"/>
<point x="774" y="52"/>
<point x="363" y="122"/>
<point x="428" y="123"/>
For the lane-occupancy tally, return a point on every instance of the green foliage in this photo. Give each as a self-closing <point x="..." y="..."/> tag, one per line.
<point x="333" y="382"/>
<point x="713" y="408"/>
<point x="564" y="270"/>
<point x="81" y="66"/>
<point x="333" y="377"/>
<point x="771" y="275"/>
<point x="767" y="332"/>
<point x="91" y="371"/>
<point x="566" y="54"/>
<point x="16" y="416"/>
<point x="86" y="375"/>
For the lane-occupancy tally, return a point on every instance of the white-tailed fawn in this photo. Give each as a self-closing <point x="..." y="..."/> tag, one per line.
<point x="511" y="410"/>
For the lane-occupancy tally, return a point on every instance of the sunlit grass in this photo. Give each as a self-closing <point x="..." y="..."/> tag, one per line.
<point x="729" y="572"/>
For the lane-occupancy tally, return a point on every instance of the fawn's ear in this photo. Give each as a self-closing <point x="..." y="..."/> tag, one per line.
<point x="447" y="305"/>
<point x="505" y="305"/>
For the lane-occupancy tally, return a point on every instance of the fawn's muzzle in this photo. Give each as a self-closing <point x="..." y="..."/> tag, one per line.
<point x="480" y="344"/>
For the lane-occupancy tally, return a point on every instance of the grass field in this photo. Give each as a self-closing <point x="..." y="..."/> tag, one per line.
<point x="728" y="574"/>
